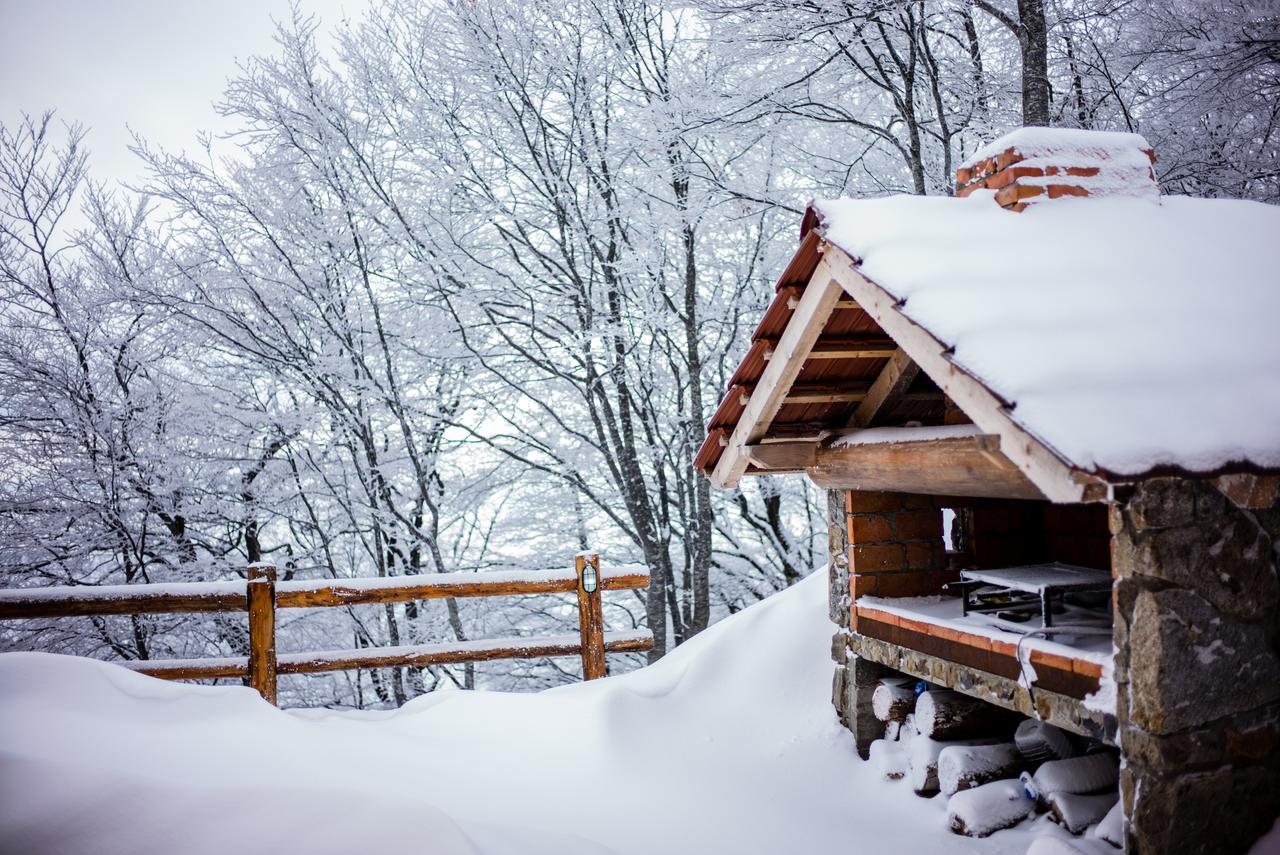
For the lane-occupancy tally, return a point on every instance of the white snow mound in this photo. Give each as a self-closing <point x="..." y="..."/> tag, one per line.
<point x="729" y="744"/>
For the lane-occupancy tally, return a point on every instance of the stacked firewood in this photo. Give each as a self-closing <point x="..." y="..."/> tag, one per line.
<point x="994" y="768"/>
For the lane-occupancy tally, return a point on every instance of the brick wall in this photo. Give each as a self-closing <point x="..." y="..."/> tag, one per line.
<point x="895" y="545"/>
<point x="1005" y="534"/>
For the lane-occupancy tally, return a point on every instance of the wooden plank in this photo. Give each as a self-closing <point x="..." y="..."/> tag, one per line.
<point x="817" y="393"/>
<point x="846" y="347"/>
<point x="21" y="603"/>
<point x="16" y="603"/>
<point x="1056" y="478"/>
<point x="811" y="314"/>
<point x="843" y="304"/>
<point x="890" y="385"/>
<point x="191" y="669"/>
<point x="416" y="655"/>
<point x="951" y="466"/>
<point x="590" y="616"/>
<point x="262" y="630"/>
<point x="814" y="393"/>
<point x="789" y="456"/>
<point x="400" y="589"/>
<point x="796" y="432"/>
<point x="488" y="650"/>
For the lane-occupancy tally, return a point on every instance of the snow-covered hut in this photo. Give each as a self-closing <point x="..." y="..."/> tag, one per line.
<point x="1057" y="386"/>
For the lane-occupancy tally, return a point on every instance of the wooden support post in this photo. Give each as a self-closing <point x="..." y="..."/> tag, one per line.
<point x="262" y="630"/>
<point x="590" y="615"/>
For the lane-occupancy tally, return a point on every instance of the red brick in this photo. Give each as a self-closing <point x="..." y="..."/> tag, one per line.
<point x="863" y="585"/>
<point x="870" y="528"/>
<point x="1006" y="159"/>
<point x="1057" y="191"/>
<point x="872" y="501"/>
<point x="875" y="558"/>
<point x="904" y="585"/>
<point x="919" y="525"/>
<point x="1016" y="193"/>
<point x="1005" y="177"/>
<point x="963" y="174"/>
<point x="915" y="501"/>
<point x="922" y="555"/>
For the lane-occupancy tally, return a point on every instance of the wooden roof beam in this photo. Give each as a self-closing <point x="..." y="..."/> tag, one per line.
<point x="812" y="311"/>
<point x="887" y="389"/>
<point x="845" y="303"/>
<point x="814" y="393"/>
<point x="846" y="347"/>
<point x="950" y="466"/>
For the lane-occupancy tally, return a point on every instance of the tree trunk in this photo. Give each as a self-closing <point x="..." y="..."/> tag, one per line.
<point x="1034" y="38"/>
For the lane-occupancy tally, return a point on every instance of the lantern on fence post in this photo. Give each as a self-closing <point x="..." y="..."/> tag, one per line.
<point x="590" y="577"/>
<point x="590" y="615"/>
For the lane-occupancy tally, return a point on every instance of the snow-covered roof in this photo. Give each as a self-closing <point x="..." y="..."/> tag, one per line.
<point x="1129" y="336"/>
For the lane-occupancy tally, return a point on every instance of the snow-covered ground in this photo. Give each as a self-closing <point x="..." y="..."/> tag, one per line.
<point x="729" y="744"/>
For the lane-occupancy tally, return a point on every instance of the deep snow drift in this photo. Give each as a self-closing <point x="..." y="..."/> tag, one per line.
<point x="728" y="744"/>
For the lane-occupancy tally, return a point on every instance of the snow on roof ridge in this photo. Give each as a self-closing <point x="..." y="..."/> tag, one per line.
<point x="1039" y="142"/>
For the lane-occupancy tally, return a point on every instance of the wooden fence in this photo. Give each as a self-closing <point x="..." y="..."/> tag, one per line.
<point x="261" y="595"/>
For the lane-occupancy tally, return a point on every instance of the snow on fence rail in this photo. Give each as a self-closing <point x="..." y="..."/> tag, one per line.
<point x="260" y="595"/>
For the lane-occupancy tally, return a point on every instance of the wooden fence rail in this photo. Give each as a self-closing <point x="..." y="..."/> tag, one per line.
<point x="261" y="595"/>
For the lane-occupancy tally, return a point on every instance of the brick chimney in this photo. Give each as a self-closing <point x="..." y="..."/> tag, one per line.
<point x="1032" y="165"/>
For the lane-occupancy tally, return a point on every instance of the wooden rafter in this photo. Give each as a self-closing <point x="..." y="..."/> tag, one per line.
<point x="811" y="313"/>
<point x="892" y="383"/>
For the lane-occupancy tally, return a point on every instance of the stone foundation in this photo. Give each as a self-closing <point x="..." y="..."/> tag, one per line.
<point x="1197" y="670"/>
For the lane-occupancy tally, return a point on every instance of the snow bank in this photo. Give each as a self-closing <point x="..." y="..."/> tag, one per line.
<point x="1079" y="313"/>
<point x="730" y="744"/>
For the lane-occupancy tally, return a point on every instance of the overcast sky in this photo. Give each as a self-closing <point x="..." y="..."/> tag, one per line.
<point x="154" y="66"/>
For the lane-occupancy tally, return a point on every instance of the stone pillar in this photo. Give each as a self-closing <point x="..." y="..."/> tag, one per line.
<point x="855" y="681"/>
<point x="1196" y="669"/>
<point x="838" y="557"/>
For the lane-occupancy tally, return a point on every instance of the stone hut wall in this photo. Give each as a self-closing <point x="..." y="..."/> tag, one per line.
<point x="1197" y="669"/>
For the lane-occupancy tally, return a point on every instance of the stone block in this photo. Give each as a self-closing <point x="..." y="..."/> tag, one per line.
<point x="1214" y="812"/>
<point x="1230" y="562"/>
<point x="1163" y="502"/>
<point x="1189" y="664"/>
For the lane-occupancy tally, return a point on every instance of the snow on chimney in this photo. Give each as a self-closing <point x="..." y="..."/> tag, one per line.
<point x="1031" y="165"/>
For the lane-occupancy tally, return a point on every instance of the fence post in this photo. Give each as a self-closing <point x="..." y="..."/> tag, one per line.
<point x="590" y="615"/>
<point x="262" y="630"/>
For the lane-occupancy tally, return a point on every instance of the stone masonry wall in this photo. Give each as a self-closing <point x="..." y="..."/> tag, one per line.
<point x="1197" y="668"/>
